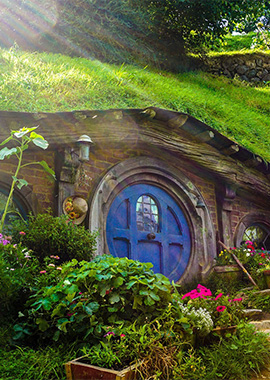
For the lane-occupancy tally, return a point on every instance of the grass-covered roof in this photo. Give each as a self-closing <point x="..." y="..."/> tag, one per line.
<point x="35" y="82"/>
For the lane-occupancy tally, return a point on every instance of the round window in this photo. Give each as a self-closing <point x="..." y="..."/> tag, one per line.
<point x="259" y="234"/>
<point x="16" y="209"/>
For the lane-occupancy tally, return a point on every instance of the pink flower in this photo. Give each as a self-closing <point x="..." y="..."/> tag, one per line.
<point x="202" y="293"/>
<point x="109" y="333"/>
<point x="218" y="296"/>
<point x="22" y="233"/>
<point x="51" y="265"/>
<point x="237" y="300"/>
<point x="59" y="268"/>
<point x="42" y="271"/>
<point x="220" y="309"/>
<point x="122" y="335"/>
<point x="12" y="269"/>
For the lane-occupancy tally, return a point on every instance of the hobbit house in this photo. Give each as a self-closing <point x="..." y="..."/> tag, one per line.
<point x="159" y="186"/>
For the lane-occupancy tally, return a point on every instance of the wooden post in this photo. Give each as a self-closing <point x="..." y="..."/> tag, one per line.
<point x="238" y="262"/>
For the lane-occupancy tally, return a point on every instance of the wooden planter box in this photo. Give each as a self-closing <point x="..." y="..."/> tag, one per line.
<point x="77" y="370"/>
<point x="267" y="277"/>
<point x="229" y="272"/>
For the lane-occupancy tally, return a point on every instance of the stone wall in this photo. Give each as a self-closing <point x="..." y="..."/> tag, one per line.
<point x="252" y="67"/>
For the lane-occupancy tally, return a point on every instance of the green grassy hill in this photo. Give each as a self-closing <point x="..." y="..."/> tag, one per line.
<point x="51" y="82"/>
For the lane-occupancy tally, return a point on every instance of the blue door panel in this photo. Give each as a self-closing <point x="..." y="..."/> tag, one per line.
<point x="150" y="251"/>
<point x="134" y="229"/>
<point x="121" y="247"/>
<point x="174" y="226"/>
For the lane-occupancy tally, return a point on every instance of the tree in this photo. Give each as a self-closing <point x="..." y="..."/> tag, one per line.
<point x="198" y="23"/>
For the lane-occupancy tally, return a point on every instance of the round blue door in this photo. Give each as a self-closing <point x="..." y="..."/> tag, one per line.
<point x="145" y="223"/>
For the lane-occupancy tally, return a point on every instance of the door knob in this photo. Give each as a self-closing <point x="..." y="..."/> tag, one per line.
<point x="151" y="236"/>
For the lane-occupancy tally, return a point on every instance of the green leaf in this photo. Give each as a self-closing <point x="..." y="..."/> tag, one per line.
<point x="63" y="325"/>
<point x="56" y="335"/>
<point x="46" y="304"/>
<point x="112" y="309"/>
<point x="34" y="135"/>
<point x="6" y="152"/>
<point x="91" y="308"/>
<point x="104" y="289"/>
<point x="21" y="183"/>
<point x="144" y="292"/>
<point x="41" y="143"/>
<point x="72" y="289"/>
<point x="137" y="301"/>
<point x="154" y="296"/>
<point x="59" y="310"/>
<point x="114" y="298"/>
<point x="23" y="131"/>
<point x="47" y="168"/>
<point x="70" y="296"/>
<point x="118" y="282"/>
<point x="149" y="301"/>
<point x="43" y="325"/>
<point x="130" y="284"/>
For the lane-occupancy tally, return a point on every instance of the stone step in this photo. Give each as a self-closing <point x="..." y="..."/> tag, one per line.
<point x="261" y="325"/>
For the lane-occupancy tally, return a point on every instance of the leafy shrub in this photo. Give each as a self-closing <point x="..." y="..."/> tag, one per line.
<point x="16" y="273"/>
<point x="47" y="235"/>
<point x="99" y="293"/>
<point x="21" y="274"/>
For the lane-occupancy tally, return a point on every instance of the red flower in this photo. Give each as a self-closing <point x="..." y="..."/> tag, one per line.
<point x="220" y="309"/>
<point x="263" y="255"/>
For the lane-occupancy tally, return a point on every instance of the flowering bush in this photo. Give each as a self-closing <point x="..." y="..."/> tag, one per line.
<point x="243" y="253"/>
<point x="224" y="311"/>
<point x="21" y="274"/>
<point x="47" y="235"/>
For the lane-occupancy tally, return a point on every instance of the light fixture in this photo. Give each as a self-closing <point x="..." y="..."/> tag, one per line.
<point x="200" y="203"/>
<point x="84" y="143"/>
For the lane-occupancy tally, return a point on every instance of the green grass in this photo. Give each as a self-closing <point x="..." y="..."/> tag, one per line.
<point x="35" y="82"/>
<point x="236" y="42"/>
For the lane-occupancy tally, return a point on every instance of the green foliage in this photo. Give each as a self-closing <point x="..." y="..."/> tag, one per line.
<point x="21" y="274"/>
<point x="23" y="363"/>
<point x="47" y="235"/>
<point x="235" y="43"/>
<point x="157" y="344"/>
<point x="125" y="30"/>
<point x="257" y="300"/>
<point x="197" y="24"/>
<point x="93" y="294"/>
<point x="237" y="357"/>
<point x="22" y="139"/>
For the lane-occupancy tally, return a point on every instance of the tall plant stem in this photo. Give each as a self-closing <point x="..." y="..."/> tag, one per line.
<point x="11" y="190"/>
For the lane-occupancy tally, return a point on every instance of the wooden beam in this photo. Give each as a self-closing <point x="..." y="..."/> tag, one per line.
<point x="205" y="136"/>
<point x="190" y="148"/>
<point x="234" y="148"/>
<point x="253" y="162"/>
<point x="178" y="122"/>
